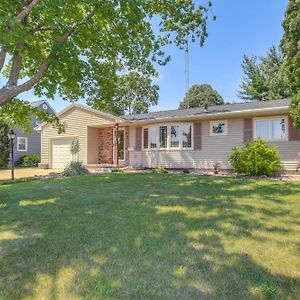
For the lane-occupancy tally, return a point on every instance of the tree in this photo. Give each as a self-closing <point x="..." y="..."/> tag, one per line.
<point x="59" y="46"/>
<point x="4" y="146"/>
<point x="200" y="95"/>
<point x="290" y="47"/>
<point x="264" y="78"/>
<point x="17" y="114"/>
<point x="128" y="94"/>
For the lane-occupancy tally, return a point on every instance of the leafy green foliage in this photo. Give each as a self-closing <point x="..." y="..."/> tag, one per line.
<point x="127" y="94"/>
<point x="17" y="114"/>
<point x="4" y="146"/>
<point x="255" y="158"/>
<point x="264" y="78"/>
<point x="59" y="46"/>
<point x="75" y="168"/>
<point x="200" y="95"/>
<point x="29" y="161"/>
<point x="290" y="47"/>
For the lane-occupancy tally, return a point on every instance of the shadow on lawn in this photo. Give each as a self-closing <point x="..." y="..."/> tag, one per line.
<point x="140" y="236"/>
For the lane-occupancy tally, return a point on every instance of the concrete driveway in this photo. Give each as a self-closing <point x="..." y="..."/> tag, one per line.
<point x="26" y="172"/>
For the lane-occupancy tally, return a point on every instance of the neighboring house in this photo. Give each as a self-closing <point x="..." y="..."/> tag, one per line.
<point x="25" y="143"/>
<point x="187" y="138"/>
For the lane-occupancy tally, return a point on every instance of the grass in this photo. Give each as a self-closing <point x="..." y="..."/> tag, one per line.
<point x="150" y="236"/>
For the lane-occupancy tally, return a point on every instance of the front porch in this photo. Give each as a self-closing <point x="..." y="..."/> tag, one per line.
<point x="107" y="146"/>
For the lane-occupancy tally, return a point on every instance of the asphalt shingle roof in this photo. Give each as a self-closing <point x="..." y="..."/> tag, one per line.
<point x="211" y="110"/>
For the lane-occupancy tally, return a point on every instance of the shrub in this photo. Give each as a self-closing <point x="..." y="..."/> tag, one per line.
<point x="29" y="161"/>
<point x="159" y="170"/>
<point x="255" y="158"/>
<point x="75" y="168"/>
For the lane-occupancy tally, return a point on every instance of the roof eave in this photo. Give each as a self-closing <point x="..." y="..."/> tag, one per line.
<point x="205" y="116"/>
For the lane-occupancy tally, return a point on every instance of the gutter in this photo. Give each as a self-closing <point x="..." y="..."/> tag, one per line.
<point x="208" y="115"/>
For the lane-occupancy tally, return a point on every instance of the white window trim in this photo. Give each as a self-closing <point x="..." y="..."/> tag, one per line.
<point x="211" y="123"/>
<point x="115" y="144"/>
<point x="168" y="148"/>
<point x="270" y="128"/>
<point x="26" y="143"/>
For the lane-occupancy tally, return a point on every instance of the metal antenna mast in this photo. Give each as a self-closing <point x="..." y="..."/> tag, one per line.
<point x="187" y="72"/>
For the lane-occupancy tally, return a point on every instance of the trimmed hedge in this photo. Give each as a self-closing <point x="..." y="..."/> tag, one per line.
<point x="29" y="161"/>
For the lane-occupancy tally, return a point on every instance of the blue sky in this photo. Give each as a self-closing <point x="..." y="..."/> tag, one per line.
<point x="242" y="27"/>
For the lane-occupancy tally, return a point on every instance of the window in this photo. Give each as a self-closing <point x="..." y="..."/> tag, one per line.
<point x="174" y="136"/>
<point x="153" y="137"/>
<point x="22" y="143"/>
<point x="271" y="129"/>
<point x="163" y="135"/>
<point x="218" y="128"/>
<point x="186" y="136"/>
<point x="262" y="129"/>
<point x="146" y="138"/>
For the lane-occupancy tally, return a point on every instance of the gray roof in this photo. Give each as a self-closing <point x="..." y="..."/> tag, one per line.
<point x="40" y="102"/>
<point x="225" y="108"/>
<point x="37" y="103"/>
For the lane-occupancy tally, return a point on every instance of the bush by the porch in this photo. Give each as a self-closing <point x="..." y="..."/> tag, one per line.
<point x="255" y="158"/>
<point x="75" y="168"/>
<point x="29" y="161"/>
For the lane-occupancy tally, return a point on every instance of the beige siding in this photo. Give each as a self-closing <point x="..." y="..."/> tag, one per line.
<point x="132" y="130"/>
<point x="214" y="149"/>
<point x="92" y="145"/>
<point x="76" y="123"/>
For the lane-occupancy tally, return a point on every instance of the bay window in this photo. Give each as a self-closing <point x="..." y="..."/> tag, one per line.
<point x="271" y="129"/>
<point x="186" y="136"/>
<point x="153" y="137"/>
<point x="145" y="138"/>
<point x="174" y="136"/>
<point x="163" y="136"/>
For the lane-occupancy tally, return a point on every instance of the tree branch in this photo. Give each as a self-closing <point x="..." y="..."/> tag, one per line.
<point x="16" y="66"/>
<point x="25" y="12"/>
<point x="8" y="92"/>
<point x="2" y="57"/>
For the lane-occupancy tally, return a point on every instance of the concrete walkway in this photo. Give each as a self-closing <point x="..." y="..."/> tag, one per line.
<point x="26" y="172"/>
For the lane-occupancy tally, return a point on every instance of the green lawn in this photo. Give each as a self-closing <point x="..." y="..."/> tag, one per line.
<point x="150" y="236"/>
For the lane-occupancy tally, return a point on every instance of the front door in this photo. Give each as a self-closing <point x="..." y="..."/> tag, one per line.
<point x="121" y="145"/>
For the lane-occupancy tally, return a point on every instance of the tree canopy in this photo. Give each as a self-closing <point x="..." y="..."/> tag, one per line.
<point x="128" y="94"/>
<point x="264" y="77"/>
<point x="59" y="46"/>
<point x="291" y="48"/>
<point x="200" y="95"/>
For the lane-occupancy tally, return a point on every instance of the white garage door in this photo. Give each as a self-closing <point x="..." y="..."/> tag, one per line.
<point x="61" y="154"/>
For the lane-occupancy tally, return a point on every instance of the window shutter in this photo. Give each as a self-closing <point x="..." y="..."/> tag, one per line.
<point x="294" y="134"/>
<point x="138" y="139"/>
<point x="248" y="129"/>
<point x="197" y="136"/>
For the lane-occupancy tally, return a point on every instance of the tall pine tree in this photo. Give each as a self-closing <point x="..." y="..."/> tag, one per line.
<point x="291" y="48"/>
<point x="264" y="77"/>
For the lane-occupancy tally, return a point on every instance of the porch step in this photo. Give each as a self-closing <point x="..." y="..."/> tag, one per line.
<point x="290" y="165"/>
